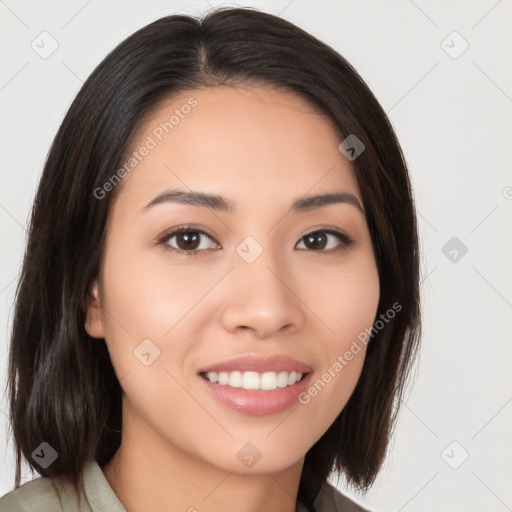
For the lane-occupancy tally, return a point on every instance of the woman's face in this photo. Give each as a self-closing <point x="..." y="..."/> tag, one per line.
<point x="259" y="284"/>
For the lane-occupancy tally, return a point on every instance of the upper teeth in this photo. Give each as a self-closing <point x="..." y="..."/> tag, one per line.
<point x="254" y="380"/>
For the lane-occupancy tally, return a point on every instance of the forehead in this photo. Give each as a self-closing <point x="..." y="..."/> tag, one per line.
<point x="251" y="144"/>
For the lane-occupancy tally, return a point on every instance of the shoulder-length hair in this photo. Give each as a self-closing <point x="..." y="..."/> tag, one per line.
<point x="63" y="388"/>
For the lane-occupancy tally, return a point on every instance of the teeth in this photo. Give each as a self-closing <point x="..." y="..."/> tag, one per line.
<point x="253" y="380"/>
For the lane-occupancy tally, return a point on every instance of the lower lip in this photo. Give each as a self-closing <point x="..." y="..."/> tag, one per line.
<point x="257" y="402"/>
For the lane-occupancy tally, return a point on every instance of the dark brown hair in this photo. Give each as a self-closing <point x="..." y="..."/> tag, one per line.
<point x="63" y="389"/>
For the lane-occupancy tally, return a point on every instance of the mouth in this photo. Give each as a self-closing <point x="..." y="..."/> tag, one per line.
<point x="256" y="385"/>
<point x="251" y="380"/>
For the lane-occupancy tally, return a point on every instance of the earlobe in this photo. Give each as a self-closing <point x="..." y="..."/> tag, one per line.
<point x="93" y="314"/>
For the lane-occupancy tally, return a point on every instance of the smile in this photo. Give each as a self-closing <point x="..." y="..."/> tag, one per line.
<point x="254" y="399"/>
<point x="266" y="381"/>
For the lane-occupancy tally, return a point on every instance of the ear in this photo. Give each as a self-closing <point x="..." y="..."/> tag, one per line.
<point x="94" y="318"/>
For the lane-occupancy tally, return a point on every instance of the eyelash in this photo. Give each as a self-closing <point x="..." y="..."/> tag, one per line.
<point x="345" y="240"/>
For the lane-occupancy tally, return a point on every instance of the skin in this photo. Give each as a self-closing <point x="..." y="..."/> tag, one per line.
<point x="260" y="149"/>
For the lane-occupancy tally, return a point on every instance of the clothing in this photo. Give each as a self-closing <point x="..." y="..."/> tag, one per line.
<point x="47" y="495"/>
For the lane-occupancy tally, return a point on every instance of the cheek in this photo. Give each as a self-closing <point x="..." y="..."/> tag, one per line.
<point x="146" y="298"/>
<point x="345" y="297"/>
<point x="357" y="303"/>
<point x="347" y="307"/>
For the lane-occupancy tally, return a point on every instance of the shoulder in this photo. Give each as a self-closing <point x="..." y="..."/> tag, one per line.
<point x="42" y="495"/>
<point x="37" y="495"/>
<point x="329" y="499"/>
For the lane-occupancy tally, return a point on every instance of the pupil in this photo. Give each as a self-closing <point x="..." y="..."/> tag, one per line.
<point x="311" y="238"/>
<point x="189" y="238"/>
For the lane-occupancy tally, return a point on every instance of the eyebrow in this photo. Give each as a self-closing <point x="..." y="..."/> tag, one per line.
<point x="216" y="202"/>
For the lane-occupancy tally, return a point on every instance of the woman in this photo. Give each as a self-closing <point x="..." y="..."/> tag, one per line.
<point x="219" y="301"/>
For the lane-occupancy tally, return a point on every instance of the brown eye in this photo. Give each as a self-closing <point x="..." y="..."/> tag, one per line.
<point x="319" y="240"/>
<point x="186" y="241"/>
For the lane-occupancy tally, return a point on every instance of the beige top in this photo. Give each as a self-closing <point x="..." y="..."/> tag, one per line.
<point x="47" y="495"/>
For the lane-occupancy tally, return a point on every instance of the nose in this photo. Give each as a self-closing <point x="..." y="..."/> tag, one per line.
<point x="260" y="297"/>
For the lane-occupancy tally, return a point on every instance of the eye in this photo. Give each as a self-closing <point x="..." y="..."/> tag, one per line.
<point x="187" y="239"/>
<point x="318" y="240"/>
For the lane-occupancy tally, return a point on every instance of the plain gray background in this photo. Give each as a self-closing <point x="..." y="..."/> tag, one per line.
<point x="450" y="106"/>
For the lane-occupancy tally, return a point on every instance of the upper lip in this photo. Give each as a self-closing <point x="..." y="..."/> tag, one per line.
<point x="260" y="364"/>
